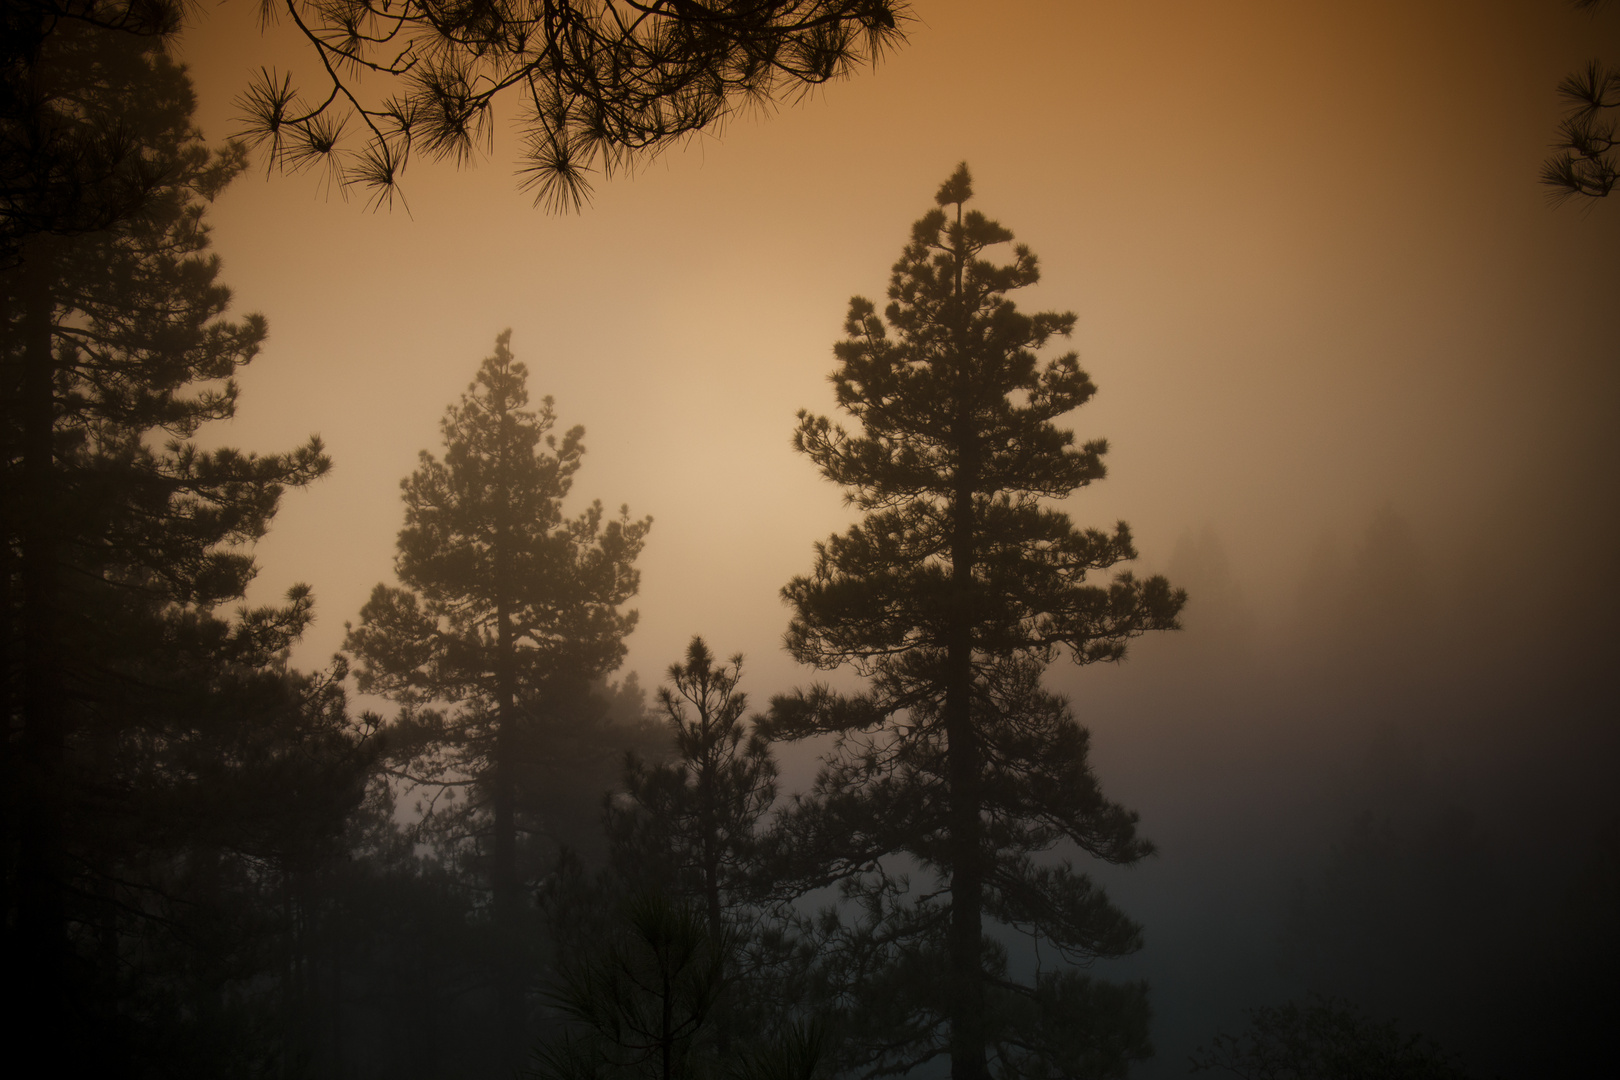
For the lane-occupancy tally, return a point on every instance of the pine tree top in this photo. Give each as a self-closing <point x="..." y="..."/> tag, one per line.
<point x="946" y="385"/>
<point x="954" y="456"/>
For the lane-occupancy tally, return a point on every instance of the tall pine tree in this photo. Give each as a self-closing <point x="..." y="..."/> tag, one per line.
<point x="957" y="587"/>
<point x="507" y="609"/>
<point x="148" y="738"/>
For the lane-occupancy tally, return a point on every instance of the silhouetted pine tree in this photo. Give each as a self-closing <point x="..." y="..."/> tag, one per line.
<point x="950" y="595"/>
<point x="508" y="610"/>
<point x="644" y="994"/>
<point x="691" y="828"/>
<point x="692" y="824"/>
<point x="163" y="769"/>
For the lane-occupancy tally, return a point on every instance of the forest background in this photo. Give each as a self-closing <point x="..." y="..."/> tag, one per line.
<point x="1358" y="377"/>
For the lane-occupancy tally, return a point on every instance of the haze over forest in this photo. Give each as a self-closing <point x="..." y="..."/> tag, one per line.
<point x="1358" y="379"/>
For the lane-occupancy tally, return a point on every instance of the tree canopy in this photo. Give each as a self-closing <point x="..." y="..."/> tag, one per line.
<point x="494" y="575"/>
<point x="72" y="157"/>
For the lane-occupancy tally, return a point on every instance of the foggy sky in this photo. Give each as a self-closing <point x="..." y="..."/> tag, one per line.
<point x="1318" y="287"/>
<point x="1313" y="271"/>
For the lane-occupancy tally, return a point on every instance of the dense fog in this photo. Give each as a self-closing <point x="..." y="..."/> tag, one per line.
<point x="1394" y="789"/>
<point x="539" y="689"/>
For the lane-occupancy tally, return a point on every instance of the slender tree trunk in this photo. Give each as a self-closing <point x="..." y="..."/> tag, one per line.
<point x="711" y="893"/>
<point x="11" y="639"/>
<point x="508" y="899"/>
<point x="506" y="886"/>
<point x="40" y="926"/>
<point x="335" y="938"/>
<point x="708" y="780"/>
<point x="666" y="1038"/>
<point x="967" y="880"/>
<point x="11" y="634"/>
<point x="711" y="897"/>
<point x="968" y="1061"/>
<point x="291" y="1041"/>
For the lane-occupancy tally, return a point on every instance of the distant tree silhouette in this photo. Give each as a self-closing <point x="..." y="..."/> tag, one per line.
<point x="577" y="753"/>
<point x="693" y="823"/>
<point x="507" y="610"/>
<point x="391" y="948"/>
<point x="1584" y="162"/>
<point x="1323" y="1040"/>
<point x="600" y="85"/>
<point x="148" y="738"/>
<point x="645" y="997"/>
<point x="950" y="596"/>
<point x="693" y="828"/>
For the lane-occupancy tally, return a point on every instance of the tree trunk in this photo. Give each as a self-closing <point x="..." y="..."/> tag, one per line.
<point x="967" y="1040"/>
<point x="711" y="900"/>
<point x="967" y="879"/>
<point x="507" y="896"/>
<point x="40" y="926"/>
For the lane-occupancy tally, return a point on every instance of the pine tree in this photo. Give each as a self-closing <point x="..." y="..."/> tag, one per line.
<point x="953" y="592"/>
<point x="693" y="823"/>
<point x="692" y="829"/>
<point x="507" y="609"/>
<point x="141" y="725"/>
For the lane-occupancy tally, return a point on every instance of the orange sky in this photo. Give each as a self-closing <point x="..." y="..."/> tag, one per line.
<point x="1314" y="274"/>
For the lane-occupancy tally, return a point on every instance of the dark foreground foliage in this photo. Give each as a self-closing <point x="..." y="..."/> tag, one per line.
<point x="1324" y="1039"/>
<point x="170" y="783"/>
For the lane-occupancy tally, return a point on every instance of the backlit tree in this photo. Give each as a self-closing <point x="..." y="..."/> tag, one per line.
<point x="691" y="827"/>
<point x="507" y="608"/>
<point x="955" y="589"/>
<point x="148" y="734"/>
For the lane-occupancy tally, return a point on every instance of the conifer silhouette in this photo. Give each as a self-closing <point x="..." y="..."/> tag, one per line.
<point x="956" y="588"/>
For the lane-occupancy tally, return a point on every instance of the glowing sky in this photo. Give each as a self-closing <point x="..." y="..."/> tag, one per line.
<point x="1314" y="273"/>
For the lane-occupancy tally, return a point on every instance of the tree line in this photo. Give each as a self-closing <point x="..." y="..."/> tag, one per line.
<point x="207" y="869"/>
<point x="215" y="865"/>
